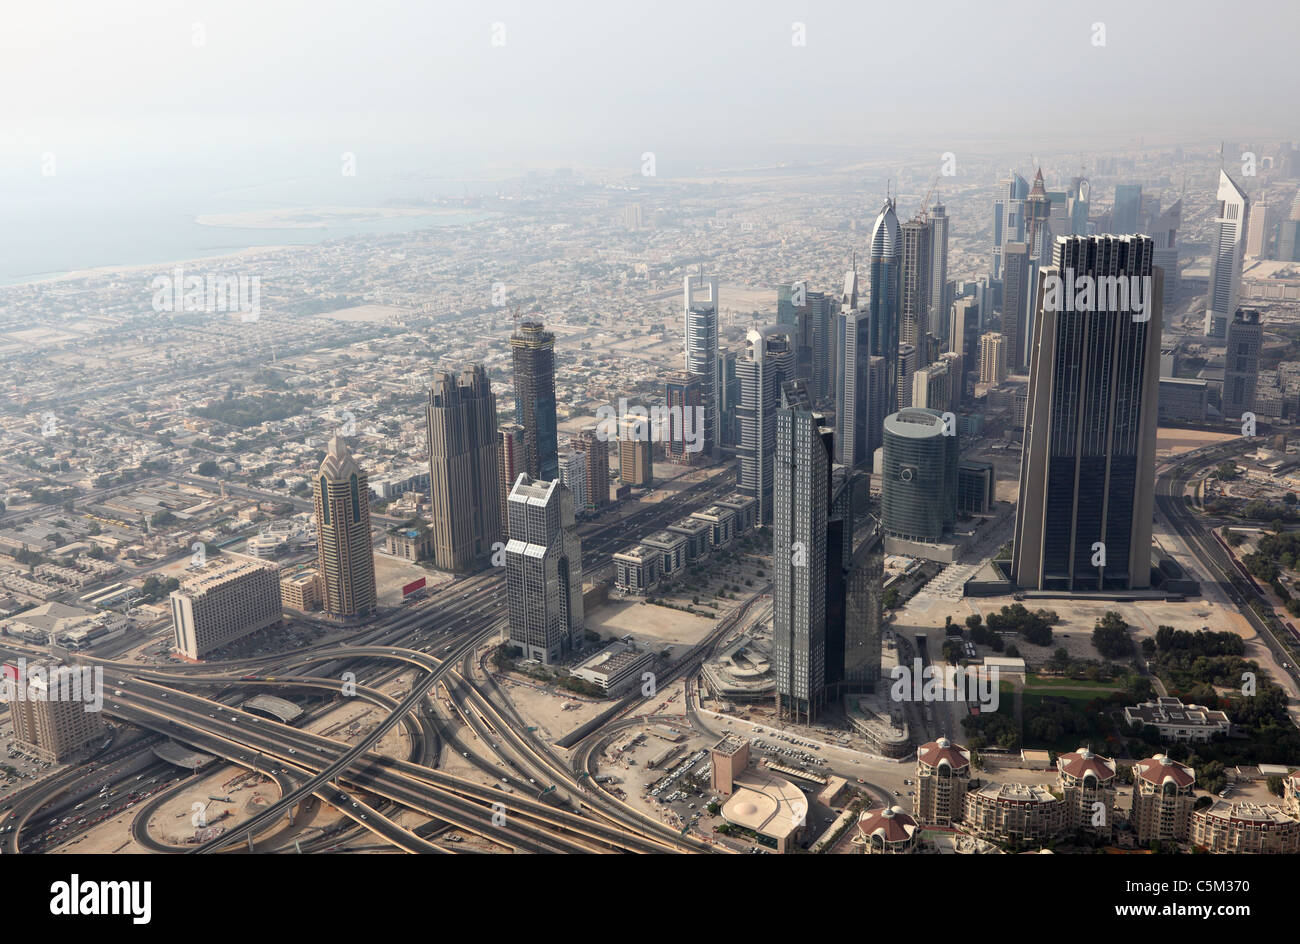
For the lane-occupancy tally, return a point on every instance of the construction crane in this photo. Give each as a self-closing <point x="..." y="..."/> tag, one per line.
<point x="924" y="214"/>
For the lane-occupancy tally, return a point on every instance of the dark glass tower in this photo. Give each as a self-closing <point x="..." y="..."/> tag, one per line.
<point x="534" y="354"/>
<point x="1087" y="470"/>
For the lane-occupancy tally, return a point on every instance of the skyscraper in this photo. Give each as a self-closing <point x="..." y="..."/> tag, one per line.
<point x="1258" y="226"/>
<point x="573" y="476"/>
<point x="963" y="340"/>
<point x="1128" y="203"/>
<point x="821" y="318"/>
<point x="768" y="360"/>
<point x="1008" y="219"/>
<point x="908" y="361"/>
<point x="799" y="585"/>
<point x="883" y="280"/>
<point x="1164" y="240"/>
<point x="534" y="358"/>
<point x="345" y="555"/>
<point x="597" y="452"/>
<point x="1226" y="256"/>
<point x="1087" y="473"/>
<point x="993" y="365"/>
<point x="932" y="387"/>
<point x="464" y="488"/>
<point x="635" y="458"/>
<point x="1015" y="302"/>
<point x="685" y="398"/>
<point x="914" y="285"/>
<point x="1241" y="363"/>
<point x="939" y="289"/>
<point x="1079" y="205"/>
<point x="918" y="482"/>
<point x="702" y="350"/>
<point x="511" y="462"/>
<point x="544" y="571"/>
<point x="853" y="403"/>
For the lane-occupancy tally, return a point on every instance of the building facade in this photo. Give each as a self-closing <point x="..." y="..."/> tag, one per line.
<point x="544" y="571"/>
<point x="345" y="555"/>
<point x="464" y="491"/>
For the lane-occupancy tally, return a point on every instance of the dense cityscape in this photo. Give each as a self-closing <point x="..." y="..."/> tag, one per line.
<point x="901" y="501"/>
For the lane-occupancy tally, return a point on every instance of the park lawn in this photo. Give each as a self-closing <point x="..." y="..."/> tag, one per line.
<point x="1050" y="683"/>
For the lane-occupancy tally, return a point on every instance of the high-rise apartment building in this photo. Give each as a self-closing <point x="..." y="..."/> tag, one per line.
<point x="702" y="350"/>
<point x="932" y="387"/>
<point x="223" y="601"/>
<point x="573" y="476"/>
<point x="909" y="361"/>
<point x="1163" y="797"/>
<point x="1087" y="489"/>
<point x="464" y="488"/>
<point x="544" y="571"/>
<point x="964" y="341"/>
<point x="597" y="452"/>
<point x="1226" y="251"/>
<point x="511" y="461"/>
<point x="635" y="457"/>
<point x="768" y="360"/>
<point x="533" y="349"/>
<point x="345" y="554"/>
<point x="993" y="362"/>
<point x="53" y="708"/>
<point x="685" y="399"/>
<point x="1241" y="363"/>
<point x="942" y="778"/>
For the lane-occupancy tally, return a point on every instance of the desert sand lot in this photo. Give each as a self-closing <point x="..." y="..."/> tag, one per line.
<point x="650" y="626"/>
<point x="1174" y="442"/>
<point x="369" y="314"/>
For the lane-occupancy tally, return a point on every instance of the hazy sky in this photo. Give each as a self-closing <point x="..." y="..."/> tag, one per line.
<point x="421" y="84"/>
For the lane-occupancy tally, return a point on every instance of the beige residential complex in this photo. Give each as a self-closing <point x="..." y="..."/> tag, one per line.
<point x="223" y="601"/>
<point x="1014" y="812"/>
<point x="943" y="776"/>
<point x="589" y="443"/>
<point x="58" y="714"/>
<point x="1245" y="828"/>
<point x="1087" y="784"/>
<point x="1178" y="722"/>
<point x="1163" y="797"/>
<point x="344" y="553"/>
<point x="993" y="361"/>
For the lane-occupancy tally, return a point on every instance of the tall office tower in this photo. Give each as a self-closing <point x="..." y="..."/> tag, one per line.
<point x="1079" y="206"/>
<point x="963" y="340"/>
<point x="635" y="457"/>
<point x="1126" y="214"/>
<point x="573" y="476"/>
<point x="1225" y="256"/>
<point x="786" y="296"/>
<point x="1015" y="302"/>
<point x="1059" y="218"/>
<point x="510" y="462"/>
<point x="853" y="403"/>
<point x="932" y="387"/>
<point x="914" y="284"/>
<point x="821" y="319"/>
<point x="802" y="502"/>
<point x="685" y="399"/>
<point x="767" y="362"/>
<point x="883" y="280"/>
<point x="918" y="481"/>
<point x="1087" y="473"/>
<point x="464" y="483"/>
<point x="702" y="350"/>
<point x="1164" y="240"/>
<point x="222" y="602"/>
<point x="53" y="720"/>
<point x="939" y="287"/>
<point x="544" y="571"/>
<point x="727" y="431"/>
<point x="1038" y="210"/>
<point x="534" y="357"/>
<point x="1008" y="219"/>
<point x="993" y="360"/>
<point x="1258" y="226"/>
<point x="1288" y="235"/>
<point x="908" y="362"/>
<point x="1241" y="363"/>
<point x="345" y="557"/>
<point x="597" y="452"/>
<point x="797" y="318"/>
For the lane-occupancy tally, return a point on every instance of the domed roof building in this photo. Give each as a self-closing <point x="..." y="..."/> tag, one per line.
<point x="942" y="777"/>
<point x="887" y="831"/>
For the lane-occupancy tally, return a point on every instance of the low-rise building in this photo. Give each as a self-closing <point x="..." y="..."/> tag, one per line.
<point x="636" y="569"/>
<point x="616" y="668"/>
<point x="1178" y="722"/>
<point x="672" y="550"/>
<point x="1014" y="813"/>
